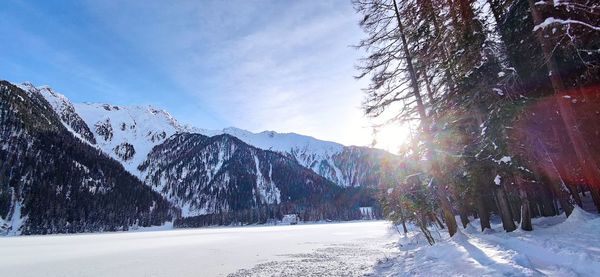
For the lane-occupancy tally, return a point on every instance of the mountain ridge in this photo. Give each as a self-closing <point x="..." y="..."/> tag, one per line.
<point x="119" y="136"/>
<point x="198" y="177"/>
<point x="53" y="182"/>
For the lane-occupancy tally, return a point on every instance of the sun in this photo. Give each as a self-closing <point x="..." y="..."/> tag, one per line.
<point x="391" y="136"/>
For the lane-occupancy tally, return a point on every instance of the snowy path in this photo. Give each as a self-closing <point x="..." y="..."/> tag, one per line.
<point x="557" y="247"/>
<point x="340" y="249"/>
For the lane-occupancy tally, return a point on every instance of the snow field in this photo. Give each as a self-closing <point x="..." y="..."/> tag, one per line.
<point x="557" y="247"/>
<point x="255" y="251"/>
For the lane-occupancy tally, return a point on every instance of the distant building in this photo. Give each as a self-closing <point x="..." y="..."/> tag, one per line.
<point x="367" y="213"/>
<point x="291" y="219"/>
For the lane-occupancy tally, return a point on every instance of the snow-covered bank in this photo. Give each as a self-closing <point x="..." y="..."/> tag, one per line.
<point x="201" y="252"/>
<point x="556" y="247"/>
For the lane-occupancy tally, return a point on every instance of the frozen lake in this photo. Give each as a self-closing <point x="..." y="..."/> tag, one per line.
<point x="329" y="249"/>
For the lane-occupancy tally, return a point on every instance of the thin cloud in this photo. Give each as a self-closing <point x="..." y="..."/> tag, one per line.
<point x="259" y="65"/>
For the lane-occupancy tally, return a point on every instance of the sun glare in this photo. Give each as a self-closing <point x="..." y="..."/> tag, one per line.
<point x="390" y="137"/>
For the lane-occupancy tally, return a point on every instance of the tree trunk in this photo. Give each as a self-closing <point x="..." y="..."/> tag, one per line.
<point x="467" y="15"/>
<point x="402" y="218"/>
<point x="545" y="196"/>
<point x="504" y="209"/>
<point x="560" y="165"/>
<point x="446" y="209"/>
<point x="445" y="204"/>
<point x="556" y="182"/>
<point x="588" y="165"/>
<point x="535" y="209"/>
<point x="482" y="188"/>
<point x="595" y="197"/>
<point x="525" y="205"/>
<point x="424" y="230"/>
<point x="464" y="217"/>
<point x="484" y="215"/>
<point x="454" y="17"/>
<point x="434" y="219"/>
<point x="439" y="222"/>
<point x="515" y="208"/>
<point x="547" y="203"/>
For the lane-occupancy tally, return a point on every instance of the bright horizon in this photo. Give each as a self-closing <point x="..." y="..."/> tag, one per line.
<point x="286" y="67"/>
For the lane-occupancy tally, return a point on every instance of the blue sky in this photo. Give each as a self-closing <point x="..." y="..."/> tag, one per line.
<point x="285" y="66"/>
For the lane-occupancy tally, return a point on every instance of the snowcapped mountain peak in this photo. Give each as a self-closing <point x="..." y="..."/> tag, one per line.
<point x="284" y="142"/>
<point x="65" y="109"/>
<point x="126" y="133"/>
<point x="27" y="86"/>
<point x="129" y="133"/>
<point x="132" y="112"/>
<point x="345" y="166"/>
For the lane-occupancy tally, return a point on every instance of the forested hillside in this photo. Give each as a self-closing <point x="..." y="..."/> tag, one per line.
<point x="59" y="177"/>
<point x="503" y="97"/>
<point x="222" y="180"/>
<point x="52" y="182"/>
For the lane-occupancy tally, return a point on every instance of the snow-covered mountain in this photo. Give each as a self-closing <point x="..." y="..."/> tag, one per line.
<point x="222" y="174"/>
<point x="52" y="182"/>
<point x="208" y="177"/>
<point x="65" y="110"/>
<point x="128" y="134"/>
<point x="289" y="142"/>
<point x="125" y="133"/>
<point x="347" y="166"/>
<point x="203" y="171"/>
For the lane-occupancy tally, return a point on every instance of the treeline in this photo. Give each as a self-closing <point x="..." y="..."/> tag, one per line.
<point x="271" y="213"/>
<point x="343" y="207"/>
<point x="503" y="97"/>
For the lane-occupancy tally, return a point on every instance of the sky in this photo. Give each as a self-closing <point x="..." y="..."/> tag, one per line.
<point x="286" y="66"/>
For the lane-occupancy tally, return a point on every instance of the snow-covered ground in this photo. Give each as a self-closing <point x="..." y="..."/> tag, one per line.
<point x="556" y="247"/>
<point x="336" y="249"/>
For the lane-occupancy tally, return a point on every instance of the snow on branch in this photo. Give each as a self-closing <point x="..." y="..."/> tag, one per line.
<point x="551" y="20"/>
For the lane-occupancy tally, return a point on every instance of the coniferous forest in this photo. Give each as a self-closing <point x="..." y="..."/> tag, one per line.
<point x="503" y="99"/>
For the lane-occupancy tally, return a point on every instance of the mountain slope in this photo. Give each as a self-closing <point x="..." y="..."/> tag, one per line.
<point x="204" y="176"/>
<point x="128" y="134"/>
<point x="125" y="133"/>
<point x="65" y="110"/>
<point x="53" y="182"/>
<point x="347" y="166"/>
<point x="222" y="174"/>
